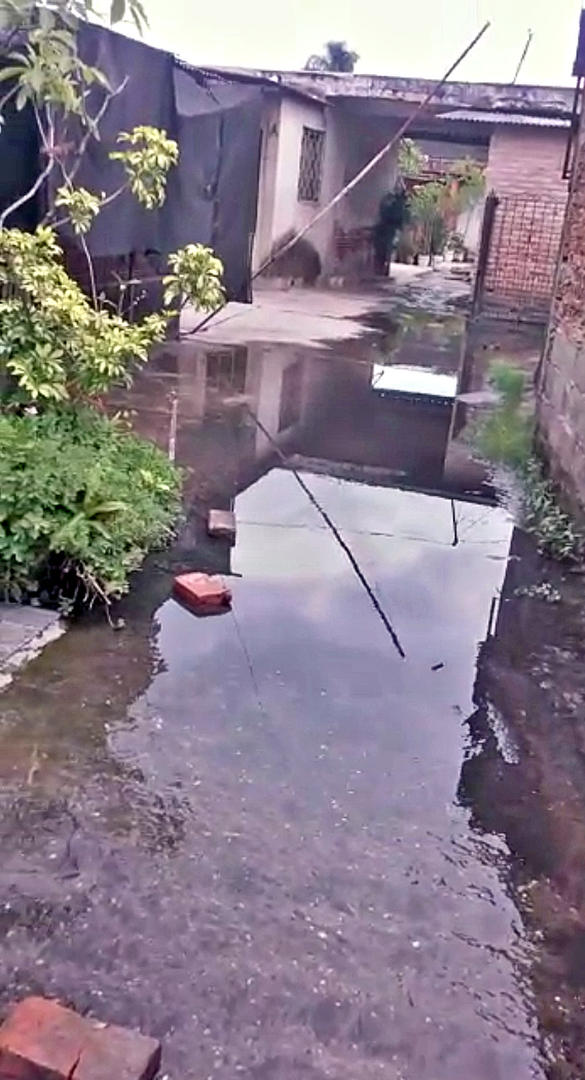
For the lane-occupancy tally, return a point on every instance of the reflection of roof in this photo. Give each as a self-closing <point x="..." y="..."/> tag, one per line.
<point x="521" y="119"/>
<point x="402" y="379"/>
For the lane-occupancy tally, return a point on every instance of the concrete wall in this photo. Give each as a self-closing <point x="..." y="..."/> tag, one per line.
<point x="267" y="180"/>
<point x="279" y="208"/>
<point x="561" y="413"/>
<point x="469" y="225"/>
<point x="350" y="142"/>
<point x="363" y="139"/>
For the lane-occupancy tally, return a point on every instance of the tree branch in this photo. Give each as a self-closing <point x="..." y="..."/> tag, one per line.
<point x="28" y="194"/>
<point x="91" y="270"/>
<point x="94" y="123"/>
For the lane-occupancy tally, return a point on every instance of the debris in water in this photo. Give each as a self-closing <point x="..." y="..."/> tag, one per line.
<point x="222" y="523"/>
<point x="203" y="594"/>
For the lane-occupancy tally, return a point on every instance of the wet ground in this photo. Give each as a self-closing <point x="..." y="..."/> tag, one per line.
<point x="283" y="839"/>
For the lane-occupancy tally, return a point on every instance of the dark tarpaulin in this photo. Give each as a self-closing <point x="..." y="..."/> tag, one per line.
<point x="214" y="190"/>
<point x="19" y="162"/>
<point x="212" y="193"/>
<point x="147" y="98"/>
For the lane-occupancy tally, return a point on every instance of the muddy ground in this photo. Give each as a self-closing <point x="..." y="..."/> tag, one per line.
<point x="339" y="832"/>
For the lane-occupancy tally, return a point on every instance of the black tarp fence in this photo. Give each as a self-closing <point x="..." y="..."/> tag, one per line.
<point x="211" y="194"/>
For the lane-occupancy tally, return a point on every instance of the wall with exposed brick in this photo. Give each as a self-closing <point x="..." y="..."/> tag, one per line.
<point x="527" y="160"/>
<point x="525" y="172"/>
<point x="562" y="389"/>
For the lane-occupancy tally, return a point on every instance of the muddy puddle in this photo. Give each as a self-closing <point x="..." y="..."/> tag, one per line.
<point x="255" y="835"/>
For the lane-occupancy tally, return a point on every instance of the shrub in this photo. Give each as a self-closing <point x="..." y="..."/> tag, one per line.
<point x="53" y="343"/>
<point x="81" y="503"/>
<point x="506" y="434"/>
<point x="505" y="437"/>
<point x="509" y="381"/>
<point x="555" y="533"/>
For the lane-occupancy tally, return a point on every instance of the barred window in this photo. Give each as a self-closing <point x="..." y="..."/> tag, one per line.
<point x="226" y="369"/>
<point x="311" y="165"/>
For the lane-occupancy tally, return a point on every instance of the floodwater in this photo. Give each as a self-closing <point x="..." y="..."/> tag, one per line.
<point x="253" y="835"/>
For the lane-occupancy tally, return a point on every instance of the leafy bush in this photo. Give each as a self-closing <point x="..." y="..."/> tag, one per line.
<point x="81" y="503"/>
<point x="505" y="435"/>
<point x="509" y="381"/>
<point x="56" y="346"/>
<point x="505" y="438"/>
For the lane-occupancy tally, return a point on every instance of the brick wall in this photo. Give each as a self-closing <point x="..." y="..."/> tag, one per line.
<point x="527" y="161"/>
<point x="525" y="172"/>
<point x="561" y="410"/>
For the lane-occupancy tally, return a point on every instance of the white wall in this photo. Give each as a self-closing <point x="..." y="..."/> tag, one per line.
<point x="469" y="225"/>
<point x="267" y="181"/>
<point x="350" y="142"/>
<point x="279" y="209"/>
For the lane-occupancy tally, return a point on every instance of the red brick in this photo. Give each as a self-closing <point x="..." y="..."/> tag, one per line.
<point x="202" y="592"/>
<point x="41" y="1040"/>
<point x="115" y="1053"/>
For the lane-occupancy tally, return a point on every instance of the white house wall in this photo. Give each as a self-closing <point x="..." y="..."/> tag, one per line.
<point x="350" y="142"/>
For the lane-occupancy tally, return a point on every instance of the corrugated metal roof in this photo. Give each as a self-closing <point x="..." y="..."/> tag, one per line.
<point x="520" y="119"/>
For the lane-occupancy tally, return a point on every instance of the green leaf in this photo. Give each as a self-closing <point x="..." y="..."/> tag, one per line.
<point x="117" y="10"/>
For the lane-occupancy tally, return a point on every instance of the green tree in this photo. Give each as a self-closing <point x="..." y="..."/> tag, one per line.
<point x="95" y="498"/>
<point x="48" y="328"/>
<point x="337" y="57"/>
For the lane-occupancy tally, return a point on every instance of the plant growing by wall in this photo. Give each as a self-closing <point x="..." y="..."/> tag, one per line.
<point x="427" y="204"/>
<point x="505" y="437"/>
<point x="470" y="179"/>
<point x="411" y="158"/>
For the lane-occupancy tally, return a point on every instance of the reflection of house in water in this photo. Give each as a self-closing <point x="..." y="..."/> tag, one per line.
<point x="388" y="415"/>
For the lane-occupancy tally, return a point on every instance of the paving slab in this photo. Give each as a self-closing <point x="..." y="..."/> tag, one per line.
<point x="24" y="632"/>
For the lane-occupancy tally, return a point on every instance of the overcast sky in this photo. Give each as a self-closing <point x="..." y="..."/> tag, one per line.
<point x="393" y="37"/>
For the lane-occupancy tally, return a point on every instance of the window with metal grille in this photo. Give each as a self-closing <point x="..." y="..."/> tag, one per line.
<point x="226" y="369"/>
<point x="311" y="165"/>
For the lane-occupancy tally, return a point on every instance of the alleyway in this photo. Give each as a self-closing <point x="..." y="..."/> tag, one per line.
<point x="279" y="839"/>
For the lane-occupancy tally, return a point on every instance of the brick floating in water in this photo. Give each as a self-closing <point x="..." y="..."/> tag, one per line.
<point x="222" y="523"/>
<point x="203" y="594"/>
<point x="42" y="1040"/>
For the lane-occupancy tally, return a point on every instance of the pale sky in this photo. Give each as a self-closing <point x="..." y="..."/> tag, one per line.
<point x="393" y="37"/>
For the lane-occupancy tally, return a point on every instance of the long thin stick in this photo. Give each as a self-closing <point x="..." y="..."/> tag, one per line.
<point x="359" y="176"/>
<point x="336" y="533"/>
<point x="523" y="57"/>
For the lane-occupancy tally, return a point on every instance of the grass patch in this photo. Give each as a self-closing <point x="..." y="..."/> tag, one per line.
<point x="505" y="437"/>
<point x="82" y="501"/>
